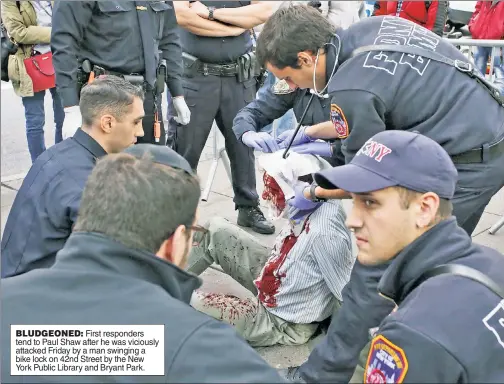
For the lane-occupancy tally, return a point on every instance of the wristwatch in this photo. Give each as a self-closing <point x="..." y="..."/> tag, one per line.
<point x="210" y="13"/>
<point x="314" y="198"/>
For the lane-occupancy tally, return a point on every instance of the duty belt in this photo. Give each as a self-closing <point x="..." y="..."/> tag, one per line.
<point x="217" y="69"/>
<point x="480" y="155"/>
<point x="133" y="78"/>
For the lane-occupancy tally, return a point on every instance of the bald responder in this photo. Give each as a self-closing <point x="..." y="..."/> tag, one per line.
<point x="137" y="40"/>
<point x="402" y="215"/>
<point x="402" y="86"/>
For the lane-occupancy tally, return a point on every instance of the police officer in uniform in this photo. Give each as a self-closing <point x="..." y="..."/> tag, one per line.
<point x="382" y="89"/>
<point x="402" y="184"/>
<point x="137" y="40"/>
<point x="220" y="79"/>
<point x="273" y="104"/>
<point x="376" y="92"/>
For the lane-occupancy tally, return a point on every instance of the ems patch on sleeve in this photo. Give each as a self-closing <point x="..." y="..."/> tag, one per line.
<point x="339" y="121"/>
<point x="386" y="362"/>
<point x="282" y="88"/>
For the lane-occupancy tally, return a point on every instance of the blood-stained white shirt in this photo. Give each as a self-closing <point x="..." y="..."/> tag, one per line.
<point x="305" y="274"/>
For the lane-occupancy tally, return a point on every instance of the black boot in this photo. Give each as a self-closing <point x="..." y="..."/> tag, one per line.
<point x="253" y="217"/>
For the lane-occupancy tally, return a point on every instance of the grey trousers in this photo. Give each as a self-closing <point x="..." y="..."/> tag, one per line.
<point x="242" y="257"/>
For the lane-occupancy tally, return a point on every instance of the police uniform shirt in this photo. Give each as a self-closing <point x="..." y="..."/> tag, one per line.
<point x="45" y="208"/>
<point x="217" y="50"/>
<point x="376" y="91"/>
<point x="107" y="33"/>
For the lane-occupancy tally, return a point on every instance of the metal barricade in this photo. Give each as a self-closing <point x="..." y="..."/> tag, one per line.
<point x="218" y="154"/>
<point x="496" y="46"/>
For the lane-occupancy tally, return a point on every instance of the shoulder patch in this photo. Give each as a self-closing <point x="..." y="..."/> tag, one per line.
<point x="386" y="363"/>
<point x="339" y="121"/>
<point x="282" y="88"/>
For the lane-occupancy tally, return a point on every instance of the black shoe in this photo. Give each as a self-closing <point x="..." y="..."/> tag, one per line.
<point x="253" y="217"/>
<point x="291" y="374"/>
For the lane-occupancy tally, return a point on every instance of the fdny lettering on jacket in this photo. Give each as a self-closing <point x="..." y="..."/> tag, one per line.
<point x="396" y="31"/>
<point x="374" y="150"/>
<point x="494" y="321"/>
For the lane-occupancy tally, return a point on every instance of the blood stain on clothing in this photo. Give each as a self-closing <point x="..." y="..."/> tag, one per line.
<point x="272" y="192"/>
<point x="270" y="279"/>
<point x="231" y="307"/>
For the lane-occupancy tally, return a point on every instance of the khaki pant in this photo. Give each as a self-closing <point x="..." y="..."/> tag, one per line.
<point x="242" y="257"/>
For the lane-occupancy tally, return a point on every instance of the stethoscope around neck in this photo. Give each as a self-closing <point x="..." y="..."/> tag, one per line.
<point x="314" y="91"/>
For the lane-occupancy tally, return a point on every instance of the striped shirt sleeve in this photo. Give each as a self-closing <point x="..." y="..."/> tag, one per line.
<point x="333" y="254"/>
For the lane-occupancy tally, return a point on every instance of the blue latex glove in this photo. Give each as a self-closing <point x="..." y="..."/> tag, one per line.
<point x="320" y="148"/>
<point x="284" y="138"/>
<point x="260" y="141"/>
<point x="297" y="215"/>
<point x="299" y="201"/>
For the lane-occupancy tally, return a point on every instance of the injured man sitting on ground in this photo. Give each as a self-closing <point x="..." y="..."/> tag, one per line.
<point x="298" y="283"/>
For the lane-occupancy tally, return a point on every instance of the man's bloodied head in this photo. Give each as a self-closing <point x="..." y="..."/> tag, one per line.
<point x="273" y="194"/>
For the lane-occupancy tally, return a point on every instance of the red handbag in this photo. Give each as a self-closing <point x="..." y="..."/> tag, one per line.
<point x="40" y="69"/>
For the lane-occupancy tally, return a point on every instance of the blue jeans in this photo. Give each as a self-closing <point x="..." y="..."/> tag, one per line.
<point x="35" y="121"/>
<point x="285" y="122"/>
<point x="481" y="57"/>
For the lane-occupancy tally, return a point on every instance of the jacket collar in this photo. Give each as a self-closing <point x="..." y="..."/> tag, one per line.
<point x="90" y="144"/>
<point x="442" y="244"/>
<point x="96" y="252"/>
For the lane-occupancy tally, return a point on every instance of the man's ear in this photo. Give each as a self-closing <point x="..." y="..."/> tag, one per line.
<point x="165" y="251"/>
<point x="305" y="58"/>
<point x="428" y="205"/>
<point x="106" y="122"/>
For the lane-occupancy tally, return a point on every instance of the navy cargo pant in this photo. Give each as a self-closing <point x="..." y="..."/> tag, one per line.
<point x="217" y="98"/>
<point x="477" y="184"/>
<point x="148" y="120"/>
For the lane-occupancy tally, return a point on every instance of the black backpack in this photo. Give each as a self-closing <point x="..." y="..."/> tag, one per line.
<point x="9" y="47"/>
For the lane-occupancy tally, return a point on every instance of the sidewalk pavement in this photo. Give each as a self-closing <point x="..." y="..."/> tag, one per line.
<point x="220" y="203"/>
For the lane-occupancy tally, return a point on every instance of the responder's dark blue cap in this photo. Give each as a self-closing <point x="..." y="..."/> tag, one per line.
<point x="395" y="158"/>
<point x="160" y="154"/>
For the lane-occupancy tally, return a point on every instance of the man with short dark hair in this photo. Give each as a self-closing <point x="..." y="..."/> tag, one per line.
<point x="401" y="216"/>
<point x="384" y="73"/>
<point x="124" y="264"/>
<point x="45" y="208"/>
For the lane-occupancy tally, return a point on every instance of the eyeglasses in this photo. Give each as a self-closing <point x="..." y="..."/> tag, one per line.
<point x="201" y="233"/>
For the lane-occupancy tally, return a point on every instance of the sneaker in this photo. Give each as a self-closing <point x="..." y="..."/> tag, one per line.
<point x="252" y="217"/>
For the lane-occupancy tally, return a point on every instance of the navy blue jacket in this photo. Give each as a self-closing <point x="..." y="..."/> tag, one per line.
<point x="448" y="329"/>
<point x="45" y="208"/>
<point x="376" y="91"/>
<point x="273" y="105"/>
<point x="97" y="280"/>
<point x="334" y="359"/>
